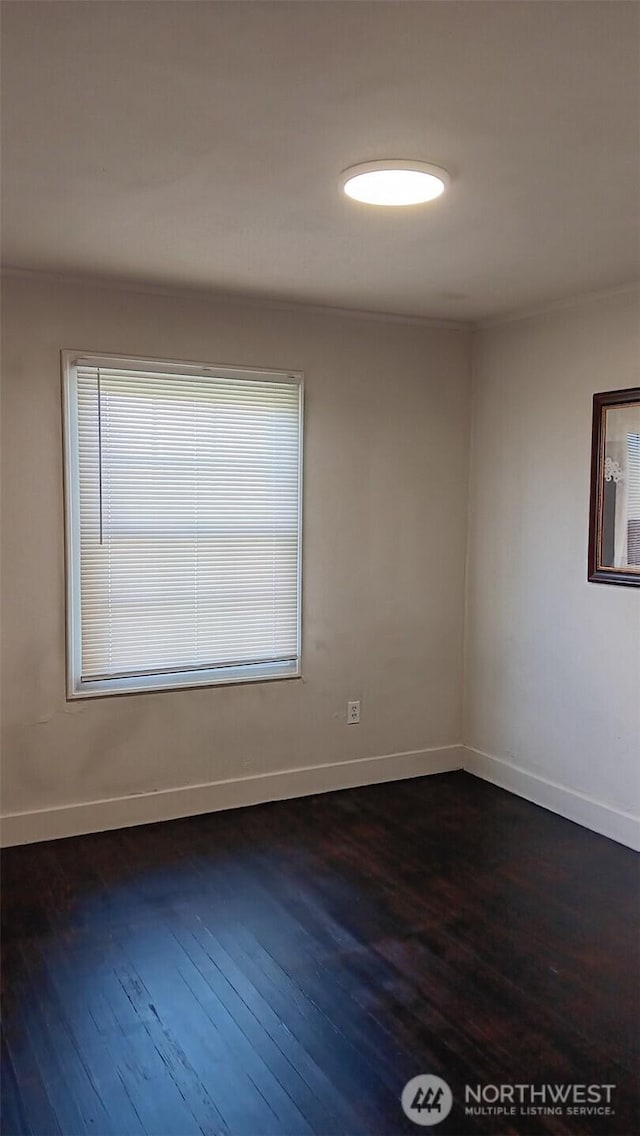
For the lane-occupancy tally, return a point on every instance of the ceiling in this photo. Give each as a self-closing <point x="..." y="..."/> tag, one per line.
<point x="198" y="144"/>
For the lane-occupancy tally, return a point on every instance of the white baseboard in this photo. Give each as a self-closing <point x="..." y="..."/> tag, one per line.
<point x="614" y="823"/>
<point x="188" y="800"/>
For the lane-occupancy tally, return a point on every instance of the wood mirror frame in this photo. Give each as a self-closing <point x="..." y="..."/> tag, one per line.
<point x="606" y="478"/>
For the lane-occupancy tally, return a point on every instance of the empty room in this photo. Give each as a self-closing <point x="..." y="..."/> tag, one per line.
<point x="320" y="793"/>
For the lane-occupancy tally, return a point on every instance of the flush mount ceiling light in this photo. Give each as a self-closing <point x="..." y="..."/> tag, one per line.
<point x="391" y="182"/>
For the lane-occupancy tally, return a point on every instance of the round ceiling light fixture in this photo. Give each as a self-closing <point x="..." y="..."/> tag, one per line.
<point x="391" y="182"/>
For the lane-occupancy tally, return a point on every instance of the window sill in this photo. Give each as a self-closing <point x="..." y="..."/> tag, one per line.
<point x="183" y="680"/>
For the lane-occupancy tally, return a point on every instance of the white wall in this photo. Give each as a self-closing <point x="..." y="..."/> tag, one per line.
<point x="552" y="662"/>
<point x="384" y="543"/>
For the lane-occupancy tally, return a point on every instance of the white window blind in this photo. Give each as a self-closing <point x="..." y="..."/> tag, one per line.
<point x="633" y="500"/>
<point x="185" y="518"/>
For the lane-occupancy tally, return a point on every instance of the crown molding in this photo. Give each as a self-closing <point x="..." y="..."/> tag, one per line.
<point x="573" y="301"/>
<point x="238" y="299"/>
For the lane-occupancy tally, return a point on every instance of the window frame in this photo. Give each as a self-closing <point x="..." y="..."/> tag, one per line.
<point x="76" y="688"/>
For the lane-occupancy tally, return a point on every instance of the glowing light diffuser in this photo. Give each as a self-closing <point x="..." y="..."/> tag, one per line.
<point x="394" y="183"/>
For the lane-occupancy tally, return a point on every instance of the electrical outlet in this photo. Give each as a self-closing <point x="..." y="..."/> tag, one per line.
<point x="353" y="713"/>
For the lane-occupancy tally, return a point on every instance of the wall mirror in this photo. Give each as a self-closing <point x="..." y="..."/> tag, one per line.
<point x="614" y="528"/>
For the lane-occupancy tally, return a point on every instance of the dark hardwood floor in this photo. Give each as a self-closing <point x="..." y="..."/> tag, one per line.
<point x="285" y="969"/>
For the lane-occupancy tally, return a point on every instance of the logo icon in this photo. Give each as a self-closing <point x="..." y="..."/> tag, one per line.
<point x="426" y="1099"/>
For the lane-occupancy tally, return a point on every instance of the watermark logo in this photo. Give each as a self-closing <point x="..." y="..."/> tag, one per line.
<point x="539" y="1100"/>
<point x="426" y="1099"/>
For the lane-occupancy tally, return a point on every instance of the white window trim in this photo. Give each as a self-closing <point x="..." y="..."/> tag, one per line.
<point x="175" y="680"/>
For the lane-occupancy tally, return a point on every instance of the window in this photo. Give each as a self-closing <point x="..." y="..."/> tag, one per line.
<point x="633" y="502"/>
<point x="183" y="509"/>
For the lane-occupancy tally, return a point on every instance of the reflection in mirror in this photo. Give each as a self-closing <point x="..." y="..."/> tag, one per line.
<point x="620" y="502"/>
